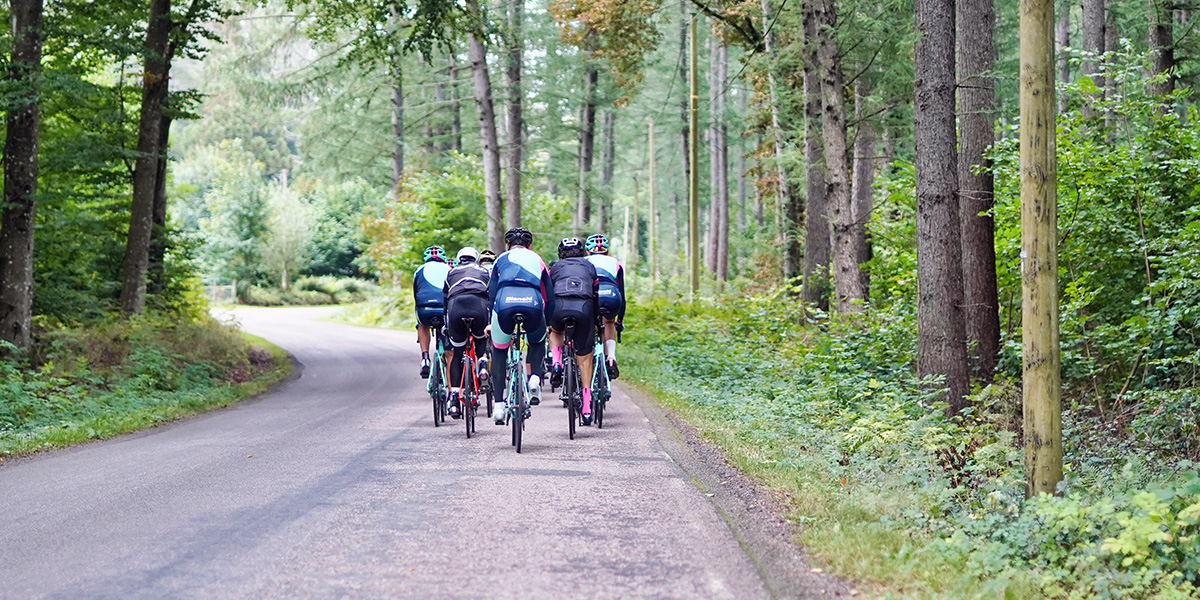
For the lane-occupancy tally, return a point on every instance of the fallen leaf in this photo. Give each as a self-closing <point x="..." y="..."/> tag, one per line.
<point x="249" y="455"/>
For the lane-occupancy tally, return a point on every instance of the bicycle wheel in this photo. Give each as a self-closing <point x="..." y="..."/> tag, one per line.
<point x="599" y="397"/>
<point x="570" y="389"/>
<point x="435" y="392"/>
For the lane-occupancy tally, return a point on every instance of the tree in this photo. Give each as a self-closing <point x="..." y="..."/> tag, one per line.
<point x="20" y="174"/>
<point x="587" y="144"/>
<point x="516" y="120"/>
<point x="941" y="335"/>
<point x="165" y="37"/>
<point x="847" y="280"/>
<point x="1162" y="46"/>
<point x="863" y="177"/>
<point x="816" y="217"/>
<point x="487" y="127"/>
<point x="977" y="106"/>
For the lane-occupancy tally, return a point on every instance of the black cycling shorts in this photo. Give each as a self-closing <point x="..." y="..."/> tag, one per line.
<point x="578" y="310"/>
<point x="470" y="306"/>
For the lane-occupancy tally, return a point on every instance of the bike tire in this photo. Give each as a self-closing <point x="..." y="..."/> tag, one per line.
<point x="435" y="392"/>
<point x="599" y="397"/>
<point x="518" y="423"/>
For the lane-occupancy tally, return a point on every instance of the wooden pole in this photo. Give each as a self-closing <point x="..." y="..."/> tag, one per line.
<point x="693" y="155"/>
<point x="653" y="215"/>
<point x="1042" y="385"/>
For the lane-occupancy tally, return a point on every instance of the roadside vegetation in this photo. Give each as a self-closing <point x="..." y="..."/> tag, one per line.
<point x="95" y="381"/>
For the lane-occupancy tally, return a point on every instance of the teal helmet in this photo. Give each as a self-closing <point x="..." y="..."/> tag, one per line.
<point x="436" y="253"/>
<point x="597" y="244"/>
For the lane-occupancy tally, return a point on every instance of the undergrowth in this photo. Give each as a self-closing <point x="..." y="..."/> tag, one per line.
<point x="896" y="496"/>
<point x="101" y="380"/>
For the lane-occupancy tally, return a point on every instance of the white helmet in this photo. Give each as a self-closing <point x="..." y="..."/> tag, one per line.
<point x="467" y="254"/>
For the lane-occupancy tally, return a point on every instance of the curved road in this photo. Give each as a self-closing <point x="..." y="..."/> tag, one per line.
<point x="337" y="485"/>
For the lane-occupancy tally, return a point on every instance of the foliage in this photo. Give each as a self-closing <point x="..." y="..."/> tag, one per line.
<point x="801" y="398"/>
<point x="96" y="381"/>
<point x="313" y="291"/>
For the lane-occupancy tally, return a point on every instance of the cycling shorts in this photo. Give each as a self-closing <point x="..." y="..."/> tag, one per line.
<point x="611" y="302"/>
<point x="579" y="310"/>
<point x="512" y="301"/>
<point x="471" y="306"/>
<point x="431" y="316"/>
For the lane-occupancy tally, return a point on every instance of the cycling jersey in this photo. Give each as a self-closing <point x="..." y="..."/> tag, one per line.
<point x="520" y="284"/>
<point x="574" y="278"/>
<point x="612" y="285"/>
<point x="428" y="282"/>
<point x="466" y="279"/>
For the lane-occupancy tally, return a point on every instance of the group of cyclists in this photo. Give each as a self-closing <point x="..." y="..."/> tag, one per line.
<point x="479" y="295"/>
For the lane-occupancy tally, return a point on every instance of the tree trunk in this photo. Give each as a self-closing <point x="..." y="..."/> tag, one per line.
<point x="977" y="108"/>
<point x="789" y="205"/>
<point x="157" y="67"/>
<point x="847" y="279"/>
<point x="714" y="164"/>
<point x="607" y="158"/>
<point x="455" y="110"/>
<point x="587" y="142"/>
<point x="1162" y="46"/>
<point x="1041" y="381"/>
<point x="516" y="119"/>
<point x="1062" y="40"/>
<point x="864" y="178"/>
<point x="941" y="336"/>
<point x="722" y="157"/>
<point x="20" y="173"/>
<point x="487" y="134"/>
<point x="1093" y="41"/>
<point x="685" y="130"/>
<point x="816" y="214"/>
<point x="158" y="232"/>
<point x="741" y="169"/>
<point x="397" y="123"/>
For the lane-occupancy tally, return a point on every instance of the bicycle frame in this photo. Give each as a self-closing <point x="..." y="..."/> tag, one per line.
<point x="515" y="387"/>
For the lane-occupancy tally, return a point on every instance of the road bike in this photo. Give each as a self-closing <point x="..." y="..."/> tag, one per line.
<point x="572" y="394"/>
<point x="601" y="388"/>
<point x="516" y="387"/>
<point x="438" y="376"/>
<point x="469" y="388"/>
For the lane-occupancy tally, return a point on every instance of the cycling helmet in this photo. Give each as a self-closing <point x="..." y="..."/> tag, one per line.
<point x="518" y="236"/>
<point x="466" y="255"/>
<point x="436" y="253"/>
<point x="570" y="247"/>
<point x="597" y="244"/>
<point x="487" y="257"/>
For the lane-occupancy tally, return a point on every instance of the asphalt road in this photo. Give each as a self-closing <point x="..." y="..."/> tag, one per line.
<point x="337" y="485"/>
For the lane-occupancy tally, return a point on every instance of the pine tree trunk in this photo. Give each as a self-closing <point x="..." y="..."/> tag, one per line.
<point x="21" y="139"/>
<point x="455" y="110"/>
<point x="864" y="178"/>
<point x="685" y="131"/>
<point x="1162" y="46"/>
<point x="1062" y="38"/>
<point x="816" y="214"/>
<point x="941" y="334"/>
<point x="847" y="281"/>
<point x="145" y="172"/>
<point x="607" y="158"/>
<point x="977" y="108"/>
<point x="397" y="123"/>
<point x="714" y="164"/>
<point x="789" y="205"/>
<point x="722" y="157"/>
<point x="516" y="119"/>
<point x="487" y="134"/>
<point x="1093" y="40"/>
<point x="741" y="169"/>
<point x="587" y="143"/>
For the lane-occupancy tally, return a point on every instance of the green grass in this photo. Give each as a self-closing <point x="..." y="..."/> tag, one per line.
<point x="152" y="409"/>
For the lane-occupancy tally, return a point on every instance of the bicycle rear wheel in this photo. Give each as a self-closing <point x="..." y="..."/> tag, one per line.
<point x="435" y="392"/>
<point x="600" y="397"/>
<point x="570" y="391"/>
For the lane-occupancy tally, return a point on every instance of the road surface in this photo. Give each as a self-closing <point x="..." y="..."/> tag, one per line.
<point x="337" y="485"/>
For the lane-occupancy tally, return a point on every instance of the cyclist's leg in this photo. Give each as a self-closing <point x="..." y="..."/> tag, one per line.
<point x="501" y="339"/>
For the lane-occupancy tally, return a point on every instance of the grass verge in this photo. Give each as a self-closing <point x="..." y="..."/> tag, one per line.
<point x="94" y="407"/>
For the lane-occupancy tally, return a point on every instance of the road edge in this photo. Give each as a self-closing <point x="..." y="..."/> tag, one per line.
<point x="753" y="513"/>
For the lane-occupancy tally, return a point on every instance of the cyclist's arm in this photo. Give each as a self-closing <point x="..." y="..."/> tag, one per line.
<point x="548" y="290"/>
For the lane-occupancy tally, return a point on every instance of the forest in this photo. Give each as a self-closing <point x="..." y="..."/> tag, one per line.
<point x="825" y="251"/>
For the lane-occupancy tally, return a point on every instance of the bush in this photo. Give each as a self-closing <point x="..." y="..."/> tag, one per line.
<point x="804" y="398"/>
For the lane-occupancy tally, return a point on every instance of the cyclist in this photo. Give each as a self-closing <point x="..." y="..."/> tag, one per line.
<point x="575" y="291"/>
<point x="427" y="291"/>
<point x="487" y="258"/>
<point x="520" y="285"/>
<point x="611" y="297"/>
<point x="466" y="296"/>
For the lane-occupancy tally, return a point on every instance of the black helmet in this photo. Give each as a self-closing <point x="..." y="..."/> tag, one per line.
<point x="518" y="236"/>
<point x="570" y="248"/>
<point x="487" y="256"/>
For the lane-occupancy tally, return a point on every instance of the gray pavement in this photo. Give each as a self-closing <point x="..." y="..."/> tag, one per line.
<point x="337" y="485"/>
